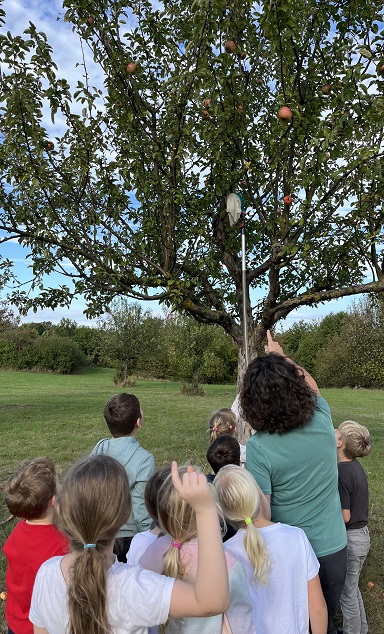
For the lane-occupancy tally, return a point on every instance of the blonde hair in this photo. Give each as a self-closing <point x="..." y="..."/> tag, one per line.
<point x="223" y="421"/>
<point x="178" y="519"/>
<point x="93" y="504"/>
<point x="356" y="438"/>
<point x="242" y="499"/>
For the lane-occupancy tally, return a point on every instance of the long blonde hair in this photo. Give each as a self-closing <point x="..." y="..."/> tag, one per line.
<point x="241" y="500"/>
<point x="223" y="421"/>
<point x="92" y="506"/>
<point x="177" y="519"/>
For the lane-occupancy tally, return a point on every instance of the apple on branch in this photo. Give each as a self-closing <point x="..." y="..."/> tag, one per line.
<point x="131" y="68"/>
<point x="230" y="46"/>
<point x="285" y="114"/>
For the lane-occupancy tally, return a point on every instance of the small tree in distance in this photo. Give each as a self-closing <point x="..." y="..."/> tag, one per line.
<point x="281" y="101"/>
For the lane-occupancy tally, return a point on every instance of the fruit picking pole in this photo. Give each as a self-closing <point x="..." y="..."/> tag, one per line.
<point x="244" y="283"/>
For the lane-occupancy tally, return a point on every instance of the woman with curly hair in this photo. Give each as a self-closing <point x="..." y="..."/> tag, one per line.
<point x="293" y="459"/>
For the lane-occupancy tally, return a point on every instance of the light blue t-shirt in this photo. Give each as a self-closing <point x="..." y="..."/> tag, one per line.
<point x="298" y="469"/>
<point x="139" y="465"/>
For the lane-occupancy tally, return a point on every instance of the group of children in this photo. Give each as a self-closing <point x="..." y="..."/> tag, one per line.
<point x="169" y="525"/>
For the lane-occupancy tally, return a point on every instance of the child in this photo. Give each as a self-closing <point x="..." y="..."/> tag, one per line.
<point x="141" y="541"/>
<point x="177" y="554"/>
<point x="29" y="494"/>
<point x="222" y="451"/>
<point x="353" y="441"/>
<point x="124" y="418"/>
<point x="90" y="591"/>
<point x="224" y="421"/>
<point x="280" y="565"/>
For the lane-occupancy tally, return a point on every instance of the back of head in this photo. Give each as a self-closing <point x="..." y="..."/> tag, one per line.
<point x="122" y="413"/>
<point x="177" y="519"/>
<point x="356" y="438"/>
<point x="152" y="488"/>
<point x="29" y="490"/>
<point x="225" y="450"/>
<point x="241" y="499"/>
<point x="222" y="422"/>
<point x="93" y="504"/>
<point x="275" y="396"/>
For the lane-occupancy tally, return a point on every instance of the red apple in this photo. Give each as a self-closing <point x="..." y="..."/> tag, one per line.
<point x="207" y="102"/>
<point x="131" y="68"/>
<point x="230" y="46"/>
<point x="285" y="113"/>
<point x="288" y="200"/>
<point x="259" y="81"/>
<point x="206" y="114"/>
<point x="90" y="20"/>
<point x="50" y="145"/>
<point x="3" y="595"/>
<point x="325" y="89"/>
<point x="243" y="55"/>
<point x="381" y="69"/>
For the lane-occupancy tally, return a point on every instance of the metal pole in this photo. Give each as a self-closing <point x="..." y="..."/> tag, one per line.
<point x="244" y="285"/>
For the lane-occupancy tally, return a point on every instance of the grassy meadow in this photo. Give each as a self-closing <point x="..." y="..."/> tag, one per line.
<point x="61" y="416"/>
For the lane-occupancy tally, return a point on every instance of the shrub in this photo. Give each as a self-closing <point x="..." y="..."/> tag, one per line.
<point x="57" y="354"/>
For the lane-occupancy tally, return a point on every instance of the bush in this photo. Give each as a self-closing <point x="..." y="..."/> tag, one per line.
<point x="16" y="348"/>
<point x="57" y="354"/>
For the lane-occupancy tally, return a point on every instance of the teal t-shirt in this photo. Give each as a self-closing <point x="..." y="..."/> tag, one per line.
<point x="298" y="470"/>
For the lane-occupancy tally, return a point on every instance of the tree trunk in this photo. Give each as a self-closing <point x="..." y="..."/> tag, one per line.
<point x="243" y="429"/>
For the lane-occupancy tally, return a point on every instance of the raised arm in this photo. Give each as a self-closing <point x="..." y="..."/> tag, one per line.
<point x="209" y="595"/>
<point x="274" y="346"/>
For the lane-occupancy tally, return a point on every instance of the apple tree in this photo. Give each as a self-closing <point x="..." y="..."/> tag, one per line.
<point x="126" y="174"/>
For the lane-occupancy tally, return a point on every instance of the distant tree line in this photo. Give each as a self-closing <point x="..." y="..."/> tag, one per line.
<point x="129" y="339"/>
<point x="345" y="349"/>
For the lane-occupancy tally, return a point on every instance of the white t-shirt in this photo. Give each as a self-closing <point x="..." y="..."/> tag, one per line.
<point x="137" y="598"/>
<point x="282" y="605"/>
<point x="139" y="545"/>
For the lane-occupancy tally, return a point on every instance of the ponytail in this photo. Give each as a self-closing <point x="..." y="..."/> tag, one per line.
<point x="222" y="422"/>
<point x="241" y="501"/>
<point x="87" y="595"/>
<point x="93" y="504"/>
<point x="257" y="553"/>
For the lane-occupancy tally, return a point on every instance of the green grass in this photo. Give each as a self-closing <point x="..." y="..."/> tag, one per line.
<point x="61" y="416"/>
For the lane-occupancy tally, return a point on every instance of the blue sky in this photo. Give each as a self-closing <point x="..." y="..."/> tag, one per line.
<point x="66" y="49"/>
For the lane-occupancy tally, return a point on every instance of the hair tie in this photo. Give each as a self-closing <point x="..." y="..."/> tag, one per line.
<point x="248" y="520"/>
<point x="176" y="545"/>
<point x="89" y="546"/>
<point x="215" y="429"/>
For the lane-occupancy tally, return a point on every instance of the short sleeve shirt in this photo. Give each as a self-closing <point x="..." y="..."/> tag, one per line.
<point x="137" y="598"/>
<point x="298" y="469"/>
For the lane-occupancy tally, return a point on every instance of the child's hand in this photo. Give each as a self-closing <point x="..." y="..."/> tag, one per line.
<point x="193" y="488"/>
<point x="273" y="346"/>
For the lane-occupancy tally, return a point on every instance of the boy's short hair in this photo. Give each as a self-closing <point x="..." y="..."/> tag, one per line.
<point x="122" y="413"/>
<point x="30" y="489"/>
<point x="223" y="451"/>
<point x="356" y="438"/>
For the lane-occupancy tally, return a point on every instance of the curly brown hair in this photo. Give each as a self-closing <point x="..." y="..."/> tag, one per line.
<point x="275" y="396"/>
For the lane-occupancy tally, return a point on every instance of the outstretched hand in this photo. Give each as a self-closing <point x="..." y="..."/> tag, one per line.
<point x="193" y="488"/>
<point x="273" y="346"/>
